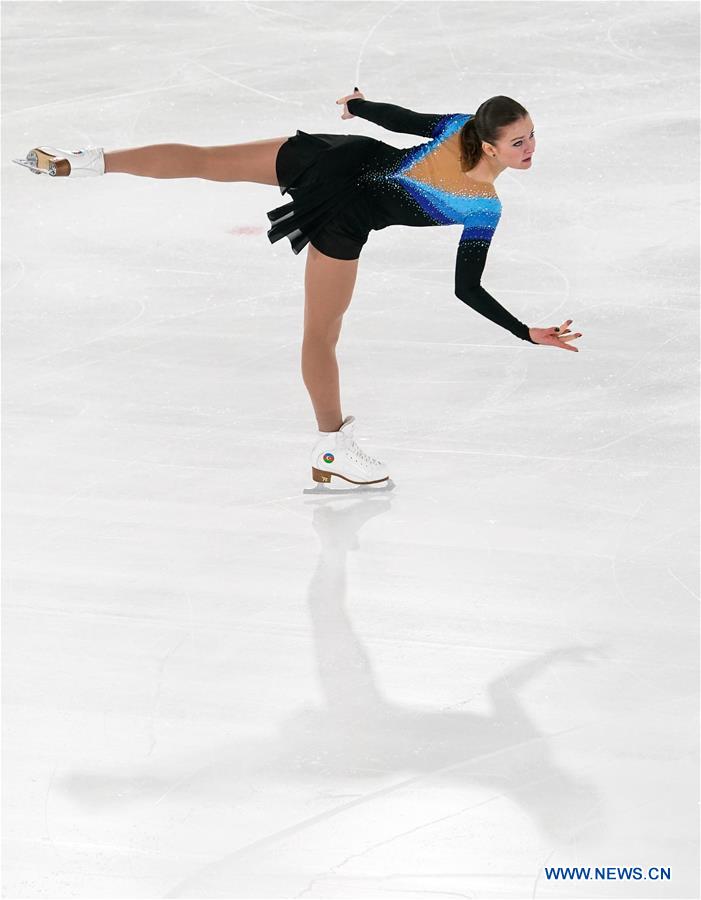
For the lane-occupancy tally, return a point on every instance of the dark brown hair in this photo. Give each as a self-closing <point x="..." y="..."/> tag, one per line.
<point x="485" y="125"/>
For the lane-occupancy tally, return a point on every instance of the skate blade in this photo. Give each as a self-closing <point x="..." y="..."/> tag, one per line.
<point x="42" y="163"/>
<point x="350" y="489"/>
<point x="31" y="166"/>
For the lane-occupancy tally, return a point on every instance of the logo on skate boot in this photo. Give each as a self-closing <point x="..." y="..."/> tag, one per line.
<point x="328" y="457"/>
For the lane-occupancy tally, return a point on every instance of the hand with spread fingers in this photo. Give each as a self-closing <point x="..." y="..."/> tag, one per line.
<point x="355" y="95"/>
<point x="555" y="337"/>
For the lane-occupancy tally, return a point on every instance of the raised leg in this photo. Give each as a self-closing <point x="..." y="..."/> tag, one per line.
<point x="328" y="289"/>
<point x="254" y="161"/>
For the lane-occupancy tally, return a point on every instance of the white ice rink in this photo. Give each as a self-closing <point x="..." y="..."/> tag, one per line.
<point x="219" y="682"/>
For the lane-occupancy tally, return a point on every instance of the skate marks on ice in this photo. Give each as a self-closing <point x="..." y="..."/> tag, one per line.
<point x="382" y="759"/>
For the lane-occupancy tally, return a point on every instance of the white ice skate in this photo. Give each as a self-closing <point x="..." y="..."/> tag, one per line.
<point x="76" y="163"/>
<point x="337" y="453"/>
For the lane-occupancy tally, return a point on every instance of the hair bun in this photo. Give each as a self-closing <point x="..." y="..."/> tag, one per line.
<point x="486" y="124"/>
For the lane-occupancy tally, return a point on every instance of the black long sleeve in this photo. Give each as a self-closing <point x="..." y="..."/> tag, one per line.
<point x="469" y="265"/>
<point x="395" y="118"/>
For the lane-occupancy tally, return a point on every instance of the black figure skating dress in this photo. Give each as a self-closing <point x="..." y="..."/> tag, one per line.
<point x="344" y="186"/>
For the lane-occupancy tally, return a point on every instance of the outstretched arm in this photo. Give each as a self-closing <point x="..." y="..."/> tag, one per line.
<point x="395" y="118"/>
<point x="469" y="265"/>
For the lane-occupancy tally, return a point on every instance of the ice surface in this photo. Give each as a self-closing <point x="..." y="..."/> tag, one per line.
<point x="219" y="683"/>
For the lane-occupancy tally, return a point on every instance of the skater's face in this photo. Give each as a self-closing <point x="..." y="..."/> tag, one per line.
<point x="516" y="144"/>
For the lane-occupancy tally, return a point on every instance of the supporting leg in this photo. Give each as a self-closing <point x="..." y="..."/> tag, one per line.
<point x="328" y="288"/>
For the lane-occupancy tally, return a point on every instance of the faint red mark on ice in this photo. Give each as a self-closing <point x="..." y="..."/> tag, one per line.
<point x="246" y="229"/>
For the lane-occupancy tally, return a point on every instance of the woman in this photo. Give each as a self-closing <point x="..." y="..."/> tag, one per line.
<point x="342" y="187"/>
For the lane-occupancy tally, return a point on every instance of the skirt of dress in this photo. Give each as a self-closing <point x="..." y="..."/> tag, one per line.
<point x="320" y="172"/>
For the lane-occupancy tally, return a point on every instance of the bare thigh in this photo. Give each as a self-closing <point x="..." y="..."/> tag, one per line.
<point x="253" y="161"/>
<point x="328" y="289"/>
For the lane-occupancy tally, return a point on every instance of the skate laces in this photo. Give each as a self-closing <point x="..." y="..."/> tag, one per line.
<point x="361" y="454"/>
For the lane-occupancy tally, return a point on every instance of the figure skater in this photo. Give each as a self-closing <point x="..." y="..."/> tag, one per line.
<point x="342" y="187"/>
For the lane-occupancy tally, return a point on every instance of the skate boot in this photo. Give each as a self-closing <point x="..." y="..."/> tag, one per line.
<point x="336" y="453"/>
<point x="52" y="161"/>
